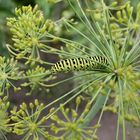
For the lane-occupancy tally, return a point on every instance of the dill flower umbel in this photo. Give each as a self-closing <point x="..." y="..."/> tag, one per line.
<point x="28" y="122"/>
<point x="37" y="79"/>
<point x="28" y="29"/>
<point x="70" y="127"/>
<point x="8" y="71"/>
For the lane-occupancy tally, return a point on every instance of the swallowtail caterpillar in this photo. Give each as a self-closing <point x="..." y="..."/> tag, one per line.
<point x="77" y="64"/>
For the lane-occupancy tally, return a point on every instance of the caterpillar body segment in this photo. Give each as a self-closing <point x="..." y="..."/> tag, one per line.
<point x="98" y="61"/>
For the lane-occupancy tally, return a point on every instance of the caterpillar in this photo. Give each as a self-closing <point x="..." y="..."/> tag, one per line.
<point x="76" y="64"/>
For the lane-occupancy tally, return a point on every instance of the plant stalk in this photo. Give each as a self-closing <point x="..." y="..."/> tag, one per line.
<point x="94" y="110"/>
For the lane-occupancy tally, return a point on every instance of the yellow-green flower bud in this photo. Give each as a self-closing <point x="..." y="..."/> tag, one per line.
<point x="31" y="105"/>
<point x="74" y="113"/>
<point x="23" y="106"/>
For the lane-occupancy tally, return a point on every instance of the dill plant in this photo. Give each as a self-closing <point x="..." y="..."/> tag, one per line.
<point x="113" y="32"/>
<point x="107" y="30"/>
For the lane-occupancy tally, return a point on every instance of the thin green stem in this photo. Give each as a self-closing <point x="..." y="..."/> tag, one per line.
<point x="68" y="93"/>
<point x="118" y="126"/>
<point x="121" y="88"/>
<point x="80" y="91"/>
<point x="78" y="31"/>
<point x="136" y="109"/>
<point x="60" y="52"/>
<point x="31" y="76"/>
<point x="73" y="90"/>
<point x="3" y="135"/>
<point x="101" y="114"/>
<point x="72" y="42"/>
<point x="133" y="53"/>
<point x="94" y="110"/>
<point x="113" y="51"/>
<point x="96" y="107"/>
<point x="68" y="79"/>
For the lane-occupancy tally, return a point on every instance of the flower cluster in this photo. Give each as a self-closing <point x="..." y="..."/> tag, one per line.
<point x="28" y="29"/>
<point x="28" y="121"/>
<point x="37" y="79"/>
<point x="9" y="70"/>
<point x="129" y="97"/>
<point x="69" y="124"/>
<point x="4" y="118"/>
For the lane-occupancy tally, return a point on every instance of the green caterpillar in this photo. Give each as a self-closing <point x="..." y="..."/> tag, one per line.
<point x="76" y="64"/>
